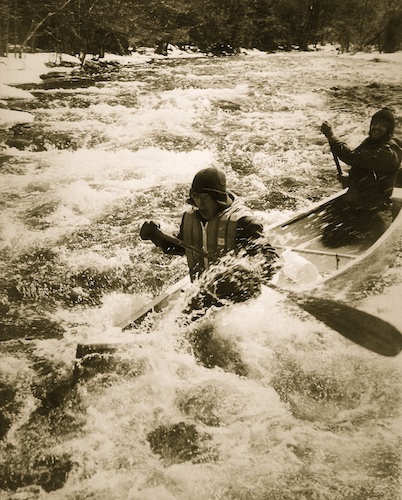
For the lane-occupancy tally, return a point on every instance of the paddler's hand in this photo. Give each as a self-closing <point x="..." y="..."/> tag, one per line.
<point x="326" y="129"/>
<point x="149" y="231"/>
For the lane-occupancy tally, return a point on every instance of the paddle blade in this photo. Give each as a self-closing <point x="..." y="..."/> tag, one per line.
<point x="360" y="327"/>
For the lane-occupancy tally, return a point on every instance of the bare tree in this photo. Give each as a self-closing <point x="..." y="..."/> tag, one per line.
<point x="36" y="25"/>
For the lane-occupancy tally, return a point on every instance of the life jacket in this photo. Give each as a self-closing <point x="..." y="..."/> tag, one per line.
<point x="217" y="236"/>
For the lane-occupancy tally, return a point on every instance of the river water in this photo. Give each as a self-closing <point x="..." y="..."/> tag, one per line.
<point x="292" y="410"/>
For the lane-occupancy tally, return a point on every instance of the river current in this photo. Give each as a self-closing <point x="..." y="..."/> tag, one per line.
<point x="292" y="411"/>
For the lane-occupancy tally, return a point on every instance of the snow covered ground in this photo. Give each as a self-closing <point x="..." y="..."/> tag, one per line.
<point x="28" y="69"/>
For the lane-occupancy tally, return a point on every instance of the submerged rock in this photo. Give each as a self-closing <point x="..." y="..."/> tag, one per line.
<point x="50" y="472"/>
<point x="18" y="143"/>
<point x="13" y="326"/>
<point x="212" y="350"/>
<point x="70" y="82"/>
<point x="180" y="442"/>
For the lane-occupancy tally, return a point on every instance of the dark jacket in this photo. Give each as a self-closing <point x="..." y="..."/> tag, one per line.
<point x="374" y="166"/>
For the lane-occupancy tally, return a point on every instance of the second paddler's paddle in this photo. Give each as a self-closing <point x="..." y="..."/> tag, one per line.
<point x="336" y="160"/>
<point x="360" y="327"/>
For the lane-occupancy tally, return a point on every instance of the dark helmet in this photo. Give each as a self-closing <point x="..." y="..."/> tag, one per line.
<point x="211" y="181"/>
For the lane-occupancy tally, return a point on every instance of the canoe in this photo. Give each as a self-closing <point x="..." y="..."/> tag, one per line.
<point x="341" y="269"/>
<point x="344" y="268"/>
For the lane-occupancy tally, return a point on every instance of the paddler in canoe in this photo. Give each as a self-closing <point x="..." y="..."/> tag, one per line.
<point x="365" y="211"/>
<point x="216" y="224"/>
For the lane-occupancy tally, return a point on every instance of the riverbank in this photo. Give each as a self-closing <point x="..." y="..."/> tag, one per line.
<point x="28" y="69"/>
<point x="31" y="69"/>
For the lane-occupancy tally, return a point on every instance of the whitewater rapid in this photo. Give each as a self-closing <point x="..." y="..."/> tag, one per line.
<point x="292" y="410"/>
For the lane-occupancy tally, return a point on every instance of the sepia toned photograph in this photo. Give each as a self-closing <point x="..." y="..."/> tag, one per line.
<point x="200" y="250"/>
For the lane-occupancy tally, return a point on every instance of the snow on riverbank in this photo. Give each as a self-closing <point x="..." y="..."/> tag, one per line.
<point x="29" y="68"/>
<point x="10" y="117"/>
<point x="17" y="71"/>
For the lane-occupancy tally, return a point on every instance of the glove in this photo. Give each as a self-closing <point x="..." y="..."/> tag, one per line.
<point x="326" y="129"/>
<point x="149" y="231"/>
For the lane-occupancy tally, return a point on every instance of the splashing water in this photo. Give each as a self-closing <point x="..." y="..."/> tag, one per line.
<point x="256" y="400"/>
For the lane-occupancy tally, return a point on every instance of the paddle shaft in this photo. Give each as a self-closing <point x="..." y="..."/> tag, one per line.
<point x="176" y="241"/>
<point x="360" y="327"/>
<point x="338" y="166"/>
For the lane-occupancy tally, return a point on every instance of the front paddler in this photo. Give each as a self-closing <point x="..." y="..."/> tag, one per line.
<point x="217" y="223"/>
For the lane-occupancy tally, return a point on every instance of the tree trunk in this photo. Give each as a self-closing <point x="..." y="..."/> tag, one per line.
<point x="4" y="28"/>
<point x="392" y="34"/>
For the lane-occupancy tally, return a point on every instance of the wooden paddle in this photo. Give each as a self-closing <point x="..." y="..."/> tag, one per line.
<point x="360" y="327"/>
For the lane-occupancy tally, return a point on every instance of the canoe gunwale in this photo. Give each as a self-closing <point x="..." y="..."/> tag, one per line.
<point x="305" y="212"/>
<point x="159" y="302"/>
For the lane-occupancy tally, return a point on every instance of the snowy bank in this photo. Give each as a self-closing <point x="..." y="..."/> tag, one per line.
<point x="16" y="71"/>
<point x="29" y="68"/>
<point x="10" y="117"/>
